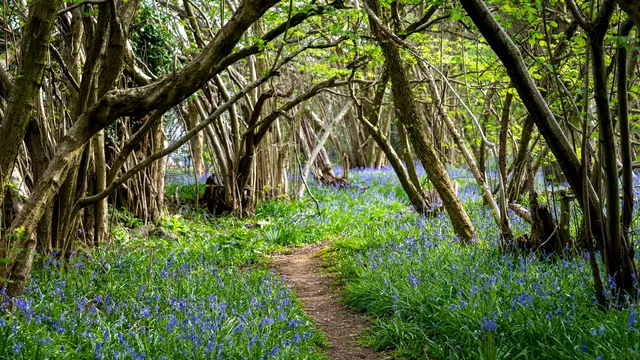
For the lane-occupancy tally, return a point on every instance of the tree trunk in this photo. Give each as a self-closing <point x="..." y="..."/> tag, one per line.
<point x="26" y="88"/>
<point x="625" y="142"/>
<point x="101" y="208"/>
<point x="617" y="256"/>
<point x="372" y="113"/>
<point x="408" y="160"/>
<point x="417" y="199"/>
<point x="519" y="162"/>
<point x="157" y="175"/>
<point x="418" y="133"/>
<point x="620" y="268"/>
<point x="385" y="129"/>
<point x="195" y="144"/>
<point x="356" y="144"/>
<point x="160" y="96"/>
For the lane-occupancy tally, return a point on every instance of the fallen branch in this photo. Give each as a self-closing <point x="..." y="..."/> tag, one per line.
<point x="522" y="212"/>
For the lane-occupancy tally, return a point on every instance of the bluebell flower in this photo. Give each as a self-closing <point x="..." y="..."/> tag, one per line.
<point x="632" y="318"/>
<point x="145" y="312"/>
<point x="489" y="324"/>
<point x="412" y="279"/>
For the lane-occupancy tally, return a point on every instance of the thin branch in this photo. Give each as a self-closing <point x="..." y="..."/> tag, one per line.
<point x="64" y="67"/>
<point x="85" y="201"/>
<point x="580" y="19"/>
<point x="304" y="181"/>
<point x="131" y="144"/>
<point x="295" y="20"/>
<point x="86" y="2"/>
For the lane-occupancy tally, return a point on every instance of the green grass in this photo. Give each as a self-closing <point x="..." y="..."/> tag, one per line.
<point x="210" y="293"/>
<point x="432" y="297"/>
<point x="199" y="297"/>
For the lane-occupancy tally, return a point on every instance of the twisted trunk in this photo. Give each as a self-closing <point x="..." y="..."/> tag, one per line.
<point x="114" y="104"/>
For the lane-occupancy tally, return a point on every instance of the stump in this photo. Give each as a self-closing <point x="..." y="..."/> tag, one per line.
<point x="214" y="197"/>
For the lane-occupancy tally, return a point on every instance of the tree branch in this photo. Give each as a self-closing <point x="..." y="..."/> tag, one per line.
<point x="86" y="2"/>
<point x="295" y="20"/>
<point x="64" y="67"/>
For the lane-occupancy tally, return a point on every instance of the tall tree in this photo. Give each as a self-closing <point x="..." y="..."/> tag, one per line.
<point x="417" y="131"/>
<point x="18" y="243"/>
<point x="619" y="262"/>
<point x="26" y="87"/>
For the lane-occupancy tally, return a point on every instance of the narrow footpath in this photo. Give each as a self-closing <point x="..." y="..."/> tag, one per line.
<point x="320" y="301"/>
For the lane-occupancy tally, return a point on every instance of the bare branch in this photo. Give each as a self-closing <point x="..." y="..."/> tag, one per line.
<point x="64" y="67"/>
<point x="86" y="2"/>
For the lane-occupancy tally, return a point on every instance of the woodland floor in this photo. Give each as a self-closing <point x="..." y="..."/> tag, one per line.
<point x="319" y="296"/>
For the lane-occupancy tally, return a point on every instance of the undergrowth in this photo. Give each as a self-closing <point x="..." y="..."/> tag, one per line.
<point x="433" y="297"/>
<point x="209" y="293"/>
<point x="204" y="295"/>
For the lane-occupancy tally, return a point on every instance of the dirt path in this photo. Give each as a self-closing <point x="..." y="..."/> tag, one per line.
<point x="314" y="288"/>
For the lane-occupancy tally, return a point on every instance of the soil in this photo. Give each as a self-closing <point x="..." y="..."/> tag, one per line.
<point x="318" y="294"/>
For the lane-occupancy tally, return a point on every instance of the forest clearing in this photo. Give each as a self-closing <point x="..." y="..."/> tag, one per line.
<point x="331" y="179"/>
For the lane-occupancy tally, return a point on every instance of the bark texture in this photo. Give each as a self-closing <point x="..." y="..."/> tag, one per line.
<point x="160" y="95"/>
<point x="623" y="266"/>
<point x="404" y="102"/>
<point x="26" y="86"/>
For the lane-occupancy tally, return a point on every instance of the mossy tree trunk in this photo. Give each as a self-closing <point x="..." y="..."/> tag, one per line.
<point x="404" y="102"/>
